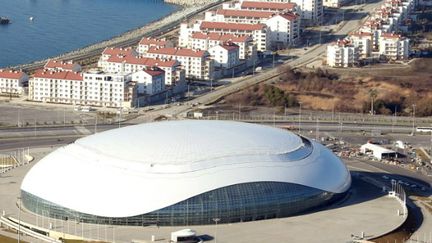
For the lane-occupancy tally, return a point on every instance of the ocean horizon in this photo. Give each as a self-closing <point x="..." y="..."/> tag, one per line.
<point x="60" y="26"/>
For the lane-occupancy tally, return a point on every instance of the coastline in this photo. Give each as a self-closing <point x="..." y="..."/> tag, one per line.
<point x="185" y="9"/>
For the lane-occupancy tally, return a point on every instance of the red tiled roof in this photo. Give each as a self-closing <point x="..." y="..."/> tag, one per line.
<point x="390" y="35"/>
<point x="342" y="43"/>
<point x="64" y="75"/>
<point x="153" y="41"/>
<point x="10" y="74"/>
<point x="59" y="64"/>
<point x="268" y="5"/>
<point x="361" y="34"/>
<point x="154" y="72"/>
<point x="145" y="61"/>
<point x="289" y="16"/>
<point x="244" y="13"/>
<point x="231" y="26"/>
<point x="172" y="51"/>
<point x="229" y="46"/>
<point x="117" y="51"/>
<point x="221" y="37"/>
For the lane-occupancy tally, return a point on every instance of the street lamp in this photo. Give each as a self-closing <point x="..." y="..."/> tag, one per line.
<point x="216" y="220"/>
<point x="299" y="120"/>
<point x="413" y="119"/>
<point x="19" y="219"/>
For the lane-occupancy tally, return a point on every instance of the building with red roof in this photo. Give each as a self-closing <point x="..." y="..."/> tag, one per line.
<point x="148" y="42"/>
<point x="91" y="88"/>
<point x="284" y="30"/>
<point x="342" y="53"/>
<point x="393" y="46"/>
<point x="12" y="82"/>
<point x="58" y="65"/>
<point x="150" y="81"/>
<point x="196" y="63"/>
<point x="225" y="55"/>
<point x="205" y="41"/>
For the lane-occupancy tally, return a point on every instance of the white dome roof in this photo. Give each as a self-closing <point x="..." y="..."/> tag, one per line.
<point x="138" y="169"/>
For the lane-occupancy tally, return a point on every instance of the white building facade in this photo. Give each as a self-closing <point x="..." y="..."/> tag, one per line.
<point x="93" y="88"/>
<point x="149" y="81"/>
<point x="342" y="54"/>
<point x="393" y="46"/>
<point x="225" y="55"/>
<point x="284" y="30"/>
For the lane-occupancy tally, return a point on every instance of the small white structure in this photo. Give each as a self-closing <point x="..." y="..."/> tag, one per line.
<point x="378" y="152"/>
<point x="183" y="235"/>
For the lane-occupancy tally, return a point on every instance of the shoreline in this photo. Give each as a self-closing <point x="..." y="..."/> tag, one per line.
<point x="128" y="38"/>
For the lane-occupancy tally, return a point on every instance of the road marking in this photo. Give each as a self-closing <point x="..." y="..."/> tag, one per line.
<point x="82" y="130"/>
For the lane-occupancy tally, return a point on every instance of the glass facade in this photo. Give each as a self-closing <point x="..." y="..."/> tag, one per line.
<point x="236" y="203"/>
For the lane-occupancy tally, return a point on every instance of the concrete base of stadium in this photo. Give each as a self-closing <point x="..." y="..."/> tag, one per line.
<point x="365" y="211"/>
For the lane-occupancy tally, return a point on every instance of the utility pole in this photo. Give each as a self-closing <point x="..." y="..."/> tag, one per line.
<point x="413" y="119"/>
<point x="299" y="120"/>
<point x="317" y="130"/>
<point x="19" y="219"/>
<point x="216" y="220"/>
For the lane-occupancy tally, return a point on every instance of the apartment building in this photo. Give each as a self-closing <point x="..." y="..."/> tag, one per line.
<point x="393" y="46"/>
<point x="58" y="65"/>
<point x="342" y="53"/>
<point x="12" y="82"/>
<point x="225" y="55"/>
<point x="92" y="88"/>
<point x="257" y="31"/>
<point x="204" y="41"/>
<point x="114" y="51"/>
<point x="196" y="63"/>
<point x="310" y="10"/>
<point x="284" y="30"/>
<point x="147" y="42"/>
<point x="149" y="81"/>
<point x="363" y="41"/>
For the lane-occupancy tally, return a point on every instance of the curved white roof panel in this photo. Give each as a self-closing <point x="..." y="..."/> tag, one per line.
<point x="139" y="169"/>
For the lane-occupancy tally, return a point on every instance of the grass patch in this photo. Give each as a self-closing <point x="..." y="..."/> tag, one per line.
<point x="4" y="239"/>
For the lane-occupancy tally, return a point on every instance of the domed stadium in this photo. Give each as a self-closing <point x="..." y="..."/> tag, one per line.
<point x="185" y="173"/>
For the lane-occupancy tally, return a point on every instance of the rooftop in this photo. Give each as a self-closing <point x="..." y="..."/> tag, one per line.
<point x="63" y="75"/>
<point x="59" y="64"/>
<point x="221" y="37"/>
<point x="11" y="74"/>
<point x="268" y="5"/>
<point x="244" y="13"/>
<point x="231" y="26"/>
<point x="175" y="51"/>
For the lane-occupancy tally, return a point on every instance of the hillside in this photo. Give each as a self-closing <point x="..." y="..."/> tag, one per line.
<point x="392" y="87"/>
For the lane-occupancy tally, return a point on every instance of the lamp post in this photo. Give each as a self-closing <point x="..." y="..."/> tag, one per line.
<point x="413" y="119"/>
<point x="19" y="219"/>
<point x="299" y="120"/>
<point x="216" y="220"/>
